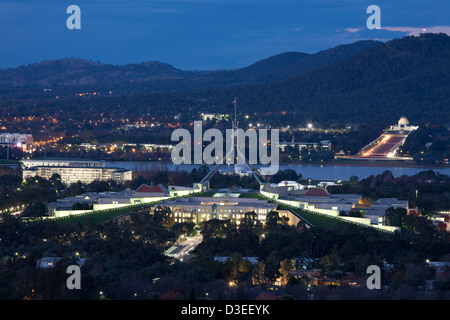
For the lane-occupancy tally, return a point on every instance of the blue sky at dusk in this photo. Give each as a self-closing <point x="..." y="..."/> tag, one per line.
<point x="201" y="34"/>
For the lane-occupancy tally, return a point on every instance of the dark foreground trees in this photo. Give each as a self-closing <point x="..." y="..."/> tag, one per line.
<point x="125" y="259"/>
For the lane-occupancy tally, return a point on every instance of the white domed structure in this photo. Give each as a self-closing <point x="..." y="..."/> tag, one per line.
<point x="403" y="122"/>
<point x="403" y="126"/>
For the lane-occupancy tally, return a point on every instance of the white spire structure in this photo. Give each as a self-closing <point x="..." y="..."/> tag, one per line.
<point x="243" y="160"/>
<point x="234" y="125"/>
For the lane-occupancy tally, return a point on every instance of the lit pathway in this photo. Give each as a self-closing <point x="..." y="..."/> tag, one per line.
<point x="181" y="249"/>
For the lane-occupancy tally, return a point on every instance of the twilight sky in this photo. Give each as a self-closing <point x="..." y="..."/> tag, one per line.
<point x="201" y="34"/>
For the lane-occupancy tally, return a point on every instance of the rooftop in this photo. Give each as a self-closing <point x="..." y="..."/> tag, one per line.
<point x="221" y="201"/>
<point x="62" y="159"/>
<point x="144" y="188"/>
<point x="316" y="192"/>
<point x="76" y="167"/>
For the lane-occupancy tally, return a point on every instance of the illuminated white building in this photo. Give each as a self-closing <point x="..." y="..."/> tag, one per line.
<point x="211" y="116"/>
<point x="199" y="209"/>
<point x="62" y="162"/>
<point x="403" y="126"/>
<point x="86" y="175"/>
<point x="325" y="144"/>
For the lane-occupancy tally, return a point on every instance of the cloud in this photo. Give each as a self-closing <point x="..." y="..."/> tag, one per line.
<point x="412" y="31"/>
<point x="353" y="30"/>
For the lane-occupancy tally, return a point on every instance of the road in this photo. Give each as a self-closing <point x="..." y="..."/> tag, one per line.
<point x="386" y="146"/>
<point x="181" y="249"/>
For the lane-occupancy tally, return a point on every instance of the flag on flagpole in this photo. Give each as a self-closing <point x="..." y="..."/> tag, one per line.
<point x="234" y="104"/>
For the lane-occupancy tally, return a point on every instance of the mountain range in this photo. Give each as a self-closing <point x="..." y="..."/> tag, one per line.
<point x="363" y="82"/>
<point x="161" y="77"/>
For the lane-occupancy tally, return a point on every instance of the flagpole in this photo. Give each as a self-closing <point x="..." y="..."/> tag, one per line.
<point x="235" y="122"/>
<point x="235" y="142"/>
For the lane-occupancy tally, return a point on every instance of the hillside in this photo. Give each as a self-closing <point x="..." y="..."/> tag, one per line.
<point x="79" y="72"/>
<point x="362" y="83"/>
<point x="153" y="77"/>
<point x="272" y="69"/>
<point x="408" y="76"/>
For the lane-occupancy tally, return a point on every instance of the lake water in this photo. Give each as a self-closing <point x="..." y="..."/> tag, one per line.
<point x="326" y="172"/>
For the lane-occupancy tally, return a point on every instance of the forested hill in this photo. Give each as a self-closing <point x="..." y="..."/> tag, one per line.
<point x="79" y="72"/>
<point x="75" y="75"/>
<point x="366" y="83"/>
<point x="403" y="77"/>
<point x="283" y="66"/>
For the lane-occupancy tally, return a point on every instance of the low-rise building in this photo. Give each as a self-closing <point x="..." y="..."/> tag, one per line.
<point x="200" y="209"/>
<point x="211" y="116"/>
<point x="179" y="191"/>
<point x="50" y="262"/>
<point x="325" y="144"/>
<point x="70" y="174"/>
<point x="62" y="162"/>
<point x="56" y="208"/>
<point x="107" y="200"/>
<point x="377" y="211"/>
<point x="312" y="198"/>
<point x="151" y="146"/>
<point x="290" y="185"/>
<point x="318" y="200"/>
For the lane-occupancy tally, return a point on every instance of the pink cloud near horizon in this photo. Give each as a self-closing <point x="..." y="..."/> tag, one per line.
<point x="412" y="31"/>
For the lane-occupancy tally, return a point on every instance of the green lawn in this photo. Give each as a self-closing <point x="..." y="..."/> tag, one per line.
<point x="320" y="220"/>
<point x="313" y="218"/>
<point x="316" y="219"/>
<point x="97" y="216"/>
<point x="252" y="195"/>
<point x="101" y="216"/>
<point x="204" y="194"/>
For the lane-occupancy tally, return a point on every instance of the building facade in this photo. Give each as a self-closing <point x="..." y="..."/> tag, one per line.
<point x="377" y="211"/>
<point x="62" y="162"/>
<point x="70" y="174"/>
<point x="403" y="126"/>
<point x="324" y="144"/>
<point x="200" y="209"/>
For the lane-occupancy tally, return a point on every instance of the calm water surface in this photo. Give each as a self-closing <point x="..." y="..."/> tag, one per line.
<point x="328" y="172"/>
